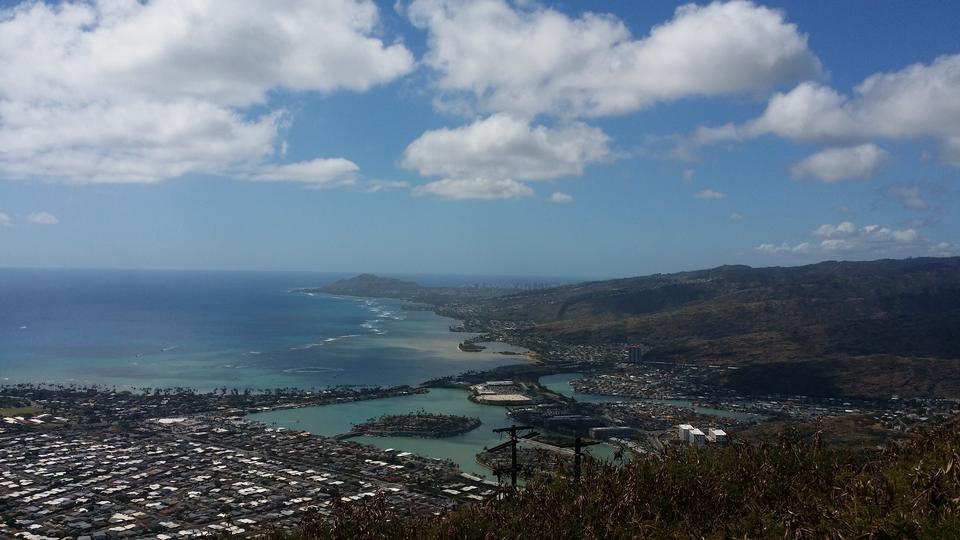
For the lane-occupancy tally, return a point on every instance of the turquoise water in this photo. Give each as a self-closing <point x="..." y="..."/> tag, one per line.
<point x="331" y="420"/>
<point x="215" y="329"/>
<point x="336" y="419"/>
<point x="560" y="384"/>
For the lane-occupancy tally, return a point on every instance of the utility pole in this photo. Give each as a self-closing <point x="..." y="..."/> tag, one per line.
<point x="512" y="443"/>
<point x="578" y="446"/>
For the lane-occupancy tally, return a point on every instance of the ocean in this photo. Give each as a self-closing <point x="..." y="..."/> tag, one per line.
<point x="204" y="330"/>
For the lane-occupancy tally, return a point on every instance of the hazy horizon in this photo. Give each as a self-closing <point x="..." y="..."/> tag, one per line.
<point x="464" y="277"/>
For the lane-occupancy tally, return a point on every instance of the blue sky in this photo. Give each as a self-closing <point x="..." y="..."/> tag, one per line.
<point x="573" y="139"/>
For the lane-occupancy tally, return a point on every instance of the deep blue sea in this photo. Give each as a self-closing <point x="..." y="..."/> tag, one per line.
<point x="216" y="329"/>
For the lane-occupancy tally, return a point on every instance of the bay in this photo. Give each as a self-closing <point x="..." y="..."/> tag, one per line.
<point x="204" y="330"/>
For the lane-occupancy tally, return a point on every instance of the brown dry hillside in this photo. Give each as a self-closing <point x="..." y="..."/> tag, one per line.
<point x="853" y="328"/>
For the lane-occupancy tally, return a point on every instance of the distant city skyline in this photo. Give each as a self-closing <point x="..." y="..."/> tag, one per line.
<point x="586" y="139"/>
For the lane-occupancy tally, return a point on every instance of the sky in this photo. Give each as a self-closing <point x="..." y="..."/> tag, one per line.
<point x="592" y="139"/>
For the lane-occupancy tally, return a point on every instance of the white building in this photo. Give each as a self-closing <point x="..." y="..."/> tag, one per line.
<point x="697" y="437"/>
<point x="685" y="430"/>
<point x="500" y="387"/>
<point x="717" y="436"/>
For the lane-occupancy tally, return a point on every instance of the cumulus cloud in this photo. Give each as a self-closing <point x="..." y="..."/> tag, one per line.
<point x="558" y="197"/>
<point x="784" y="248"/>
<point x="736" y="216"/>
<point x="528" y="59"/>
<point x="474" y="188"/>
<point x="708" y="194"/>
<point x="836" y="164"/>
<point x="504" y="145"/>
<point x="921" y="101"/>
<point x="496" y="154"/>
<point x="5" y="220"/>
<point x="43" y="218"/>
<point x="845" y="238"/>
<point x="110" y="91"/>
<point x="827" y="230"/>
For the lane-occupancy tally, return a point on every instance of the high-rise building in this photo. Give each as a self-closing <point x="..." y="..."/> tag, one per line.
<point x="635" y="353"/>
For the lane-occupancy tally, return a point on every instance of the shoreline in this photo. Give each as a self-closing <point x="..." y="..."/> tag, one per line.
<point x="71" y="380"/>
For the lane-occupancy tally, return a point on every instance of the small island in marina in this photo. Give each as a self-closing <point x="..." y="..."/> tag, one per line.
<point x="418" y="424"/>
<point x="469" y="346"/>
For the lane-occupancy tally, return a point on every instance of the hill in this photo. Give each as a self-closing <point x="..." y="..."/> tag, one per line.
<point x="870" y="329"/>
<point x="798" y="488"/>
<point x="835" y="328"/>
<point x="371" y="286"/>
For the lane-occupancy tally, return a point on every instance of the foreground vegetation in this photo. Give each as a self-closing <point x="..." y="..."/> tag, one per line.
<point x="792" y="489"/>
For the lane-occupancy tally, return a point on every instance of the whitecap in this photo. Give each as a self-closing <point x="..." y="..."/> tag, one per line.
<point x="306" y="347"/>
<point x="311" y="369"/>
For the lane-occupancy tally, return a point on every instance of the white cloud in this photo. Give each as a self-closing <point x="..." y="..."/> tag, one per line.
<point x="827" y="230"/>
<point x="708" y="194"/>
<point x="736" y="216"/>
<point x="231" y="52"/>
<point x="5" y="220"/>
<point x="917" y="195"/>
<point x="944" y="249"/>
<point x="504" y="146"/>
<point x="836" y="164"/>
<point x="43" y="218"/>
<point x="849" y="239"/>
<point x="950" y="150"/>
<point x="784" y="248"/>
<point x="134" y="141"/>
<point x="688" y="175"/>
<point x="528" y="59"/>
<point x="374" y="186"/>
<point x="474" y="188"/>
<point x="921" y="101"/>
<point x="316" y="173"/>
<point x="124" y="91"/>
<point x="559" y="197"/>
<point x="910" y="197"/>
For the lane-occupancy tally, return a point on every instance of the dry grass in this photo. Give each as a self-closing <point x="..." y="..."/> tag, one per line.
<point x="791" y="489"/>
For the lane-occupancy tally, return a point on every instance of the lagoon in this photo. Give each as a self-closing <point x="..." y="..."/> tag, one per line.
<point x="330" y="420"/>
